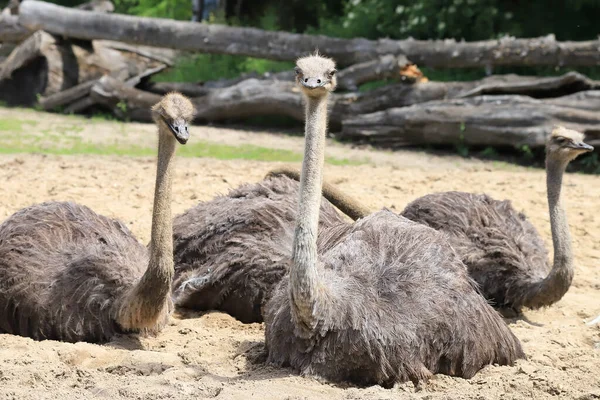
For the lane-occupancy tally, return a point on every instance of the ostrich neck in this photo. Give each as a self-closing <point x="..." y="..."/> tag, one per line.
<point x="561" y="238"/>
<point x="157" y="278"/>
<point x="145" y="303"/>
<point x="304" y="275"/>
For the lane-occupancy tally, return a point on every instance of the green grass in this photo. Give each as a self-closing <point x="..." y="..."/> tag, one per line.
<point x="14" y="125"/>
<point x="63" y="139"/>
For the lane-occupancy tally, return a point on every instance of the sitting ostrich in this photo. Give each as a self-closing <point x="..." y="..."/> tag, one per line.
<point x="231" y="251"/>
<point x="67" y="273"/>
<point x="380" y="301"/>
<point x="501" y="248"/>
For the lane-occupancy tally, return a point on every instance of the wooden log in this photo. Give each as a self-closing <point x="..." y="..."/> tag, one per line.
<point x="387" y="66"/>
<point x="12" y="8"/>
<point x="403" y="95"/>
<point x="162" y="55"/>
<point x="67" y="96"/>
<point x="254" y="97"/>
<point x="10" y="29"/>
<point x="188" y="89"/>
<point x="40" y="65"/>
<point x="44" y="65"/>
<point x="218" y="39"/>
<point x="124" y="101"/>
<point x="78" y="98"/>
<point x="503" y="120"/>
<point x="247" y="99"/>
<point x="79" y="105"/>
<point x="105" y="6"/>
<point x="348" y="78"/>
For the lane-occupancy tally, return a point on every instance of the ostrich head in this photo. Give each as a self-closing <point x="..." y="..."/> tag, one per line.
<point x="174" y="112"/>
<point x="566" y="144"/>
<point x="315" y="75"/>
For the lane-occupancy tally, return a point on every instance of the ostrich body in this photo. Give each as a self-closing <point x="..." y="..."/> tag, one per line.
<point x="67" y="273"/>
<point x="379" y="301"/>
<point x="503" y="251"/>
<point x="230" y="252"/>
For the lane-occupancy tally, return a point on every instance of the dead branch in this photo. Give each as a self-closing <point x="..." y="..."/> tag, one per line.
<point x="36" y="15"/>
<point x="503" y="120"/>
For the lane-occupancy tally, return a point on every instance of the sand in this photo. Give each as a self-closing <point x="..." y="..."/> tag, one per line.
<point x="214" y="356"/>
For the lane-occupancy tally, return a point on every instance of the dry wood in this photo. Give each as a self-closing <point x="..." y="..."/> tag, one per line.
<point x="254" y="97"/>
<point x="123" y="100"/>
<point x="46" y="65"/>
<point x="40" y="65"/>
<point x="79" y="105"/>
<point x="67" y="96"/>
<point x="247" y="99"/>
<point x="402" y="95"/>
<point x="387" y="66"/>
<point x="98" y="6"/>
<point x="503" y="120"/>
<point x="12" y="8"/>
<point x="11" y="30"/>
<point x="188" y="89"/>
<point x="288" y="46"/>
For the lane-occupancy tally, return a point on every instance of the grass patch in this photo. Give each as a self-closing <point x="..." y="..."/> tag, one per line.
<point x="74" y="145"/>
<point x="14" y="125"/>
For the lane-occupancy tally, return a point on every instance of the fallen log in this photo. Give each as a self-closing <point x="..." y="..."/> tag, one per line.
<point x="403" y="95"/>
<point x="124" y="101"/>
<point x="68" y="96"/>
<point x="249" y="98"/>
<point x="219" y="39"/>
<point x="105" y="6"/>
<point x="10" y="29"/>
<point x="40" y="65"/>
<point x="255" y="97"/>
<point x="387" y="66"/>
<point x="44" y="65"/>
<point x="12" y="8"/>
<point x="188" y="89"/>
<point x="503" y="120"/>
<point x="78" y="98"/>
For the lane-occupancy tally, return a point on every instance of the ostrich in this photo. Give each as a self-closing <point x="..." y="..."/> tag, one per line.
<point x="67" y="273"/>
<point x="380" y="301"/>
<point x="502" y="250"/>
<point x="229" y="252"/>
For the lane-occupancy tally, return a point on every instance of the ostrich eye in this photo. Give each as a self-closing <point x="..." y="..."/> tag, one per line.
<point x="561" y="140"/>
<point x="332" y="72"/>
<point x="297" y="70"/>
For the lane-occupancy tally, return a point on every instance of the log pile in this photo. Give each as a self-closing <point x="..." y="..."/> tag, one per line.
<point x="78" y="59"/>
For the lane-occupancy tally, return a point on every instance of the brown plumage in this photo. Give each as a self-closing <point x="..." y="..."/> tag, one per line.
<point x="69" y="274"/>
<point x="380" y="301"/>
<point x="230" y="252"/>
<point x="502" y="250"/>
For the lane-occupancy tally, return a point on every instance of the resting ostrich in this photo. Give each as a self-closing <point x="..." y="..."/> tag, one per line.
<point x="501" y="248"/>
<point x="229" y="252"/>
<point x="67" y="273"/>
<point x="380" y="301"/>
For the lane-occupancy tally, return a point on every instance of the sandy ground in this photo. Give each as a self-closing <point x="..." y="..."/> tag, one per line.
<point x="214" y="356"/>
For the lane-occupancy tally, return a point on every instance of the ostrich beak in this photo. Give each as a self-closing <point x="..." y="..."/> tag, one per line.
<point x="312" y="83"/>
<point x="581" y="146"/>
<point x="180" y="130"/>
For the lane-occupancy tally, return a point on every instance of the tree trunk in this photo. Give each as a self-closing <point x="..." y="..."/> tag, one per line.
<point x="254" y="97"/>
<point x="384" y="67"/>
<point x="504" y="120"/>
<point x="545" y="51"/>
<point x="105" y="6"/>
<point x="11" y="31"/>
<point x="68" y="96"/>
<point x="249" y="98"/>
<point x="44" y="65"/>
